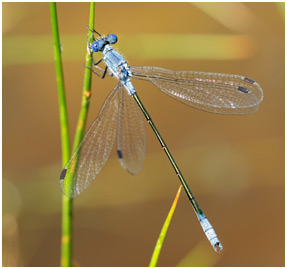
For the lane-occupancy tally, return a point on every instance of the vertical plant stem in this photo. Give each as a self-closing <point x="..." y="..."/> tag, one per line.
<point x="61" y="88"/>
<point x="80" y="129"/>
<point x="67" y="203"/>
<point x="86" y="88"/>
<point x="66" y="241"/>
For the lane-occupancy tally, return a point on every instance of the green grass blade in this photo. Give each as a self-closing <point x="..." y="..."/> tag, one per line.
<point x="86" y="88"/>
<point x="163" y="232"/>
<point x="66" y="242"/>
<point x="61" y="88"/>
<point x="67" y="203"/>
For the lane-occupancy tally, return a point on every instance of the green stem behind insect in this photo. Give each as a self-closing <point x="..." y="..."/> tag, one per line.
<point x="67" y="203"/>
<point x="86" y="88"/>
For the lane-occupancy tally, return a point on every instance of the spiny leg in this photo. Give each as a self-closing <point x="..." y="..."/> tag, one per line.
<point x="104" y="71"/>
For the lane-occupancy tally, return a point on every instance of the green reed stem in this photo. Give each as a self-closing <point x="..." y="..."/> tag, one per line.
<point x="162" y="235"/>
<point x="66" y="242"/>
<point x="61" y="88"/>
<point x="67" y="203"/>
<point x="86" y="87"/>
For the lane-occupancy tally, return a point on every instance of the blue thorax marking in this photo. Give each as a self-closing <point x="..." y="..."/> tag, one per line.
<point x="114" y="60"/>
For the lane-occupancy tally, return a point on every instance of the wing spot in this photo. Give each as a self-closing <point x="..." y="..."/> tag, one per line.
<point x="242" y="89"/>
<point x="249" y="80"/>
<point x="63" y="173"/>
<point x="120" y="154"/>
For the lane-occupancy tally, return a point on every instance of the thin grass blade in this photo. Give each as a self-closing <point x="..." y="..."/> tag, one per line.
<point x="67" y="203"/>
<point x="163" y="232"/>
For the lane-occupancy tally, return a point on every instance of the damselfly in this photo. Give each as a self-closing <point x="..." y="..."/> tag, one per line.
<point x="120" y="118"/>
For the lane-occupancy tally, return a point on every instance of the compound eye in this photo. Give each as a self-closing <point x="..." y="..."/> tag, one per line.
<point x="112" y="39"/>
<point x="95" y="46"/>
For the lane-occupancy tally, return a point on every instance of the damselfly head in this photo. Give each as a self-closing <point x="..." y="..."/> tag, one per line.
<point x="100" y="43"/>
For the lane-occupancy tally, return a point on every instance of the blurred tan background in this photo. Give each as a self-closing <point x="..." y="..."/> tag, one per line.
<point x="233" y="164"/>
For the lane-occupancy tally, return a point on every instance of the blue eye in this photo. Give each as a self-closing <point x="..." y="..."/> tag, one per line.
<point x="95" y="46"/>
<point x="112" y="39"/>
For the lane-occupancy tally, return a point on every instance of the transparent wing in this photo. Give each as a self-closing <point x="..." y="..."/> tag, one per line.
<point x="131" y="138"/>
<point x="212" y="92"/>
<point x="93" y="151"/>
